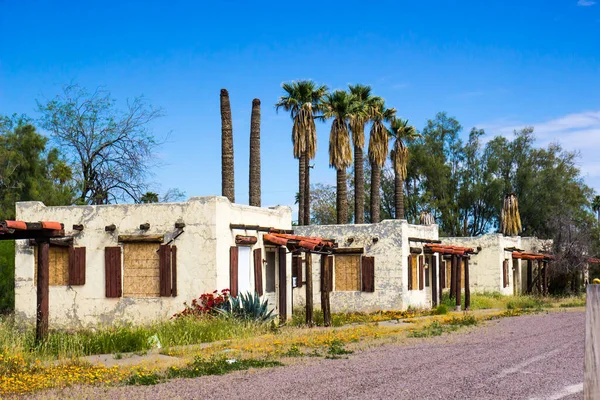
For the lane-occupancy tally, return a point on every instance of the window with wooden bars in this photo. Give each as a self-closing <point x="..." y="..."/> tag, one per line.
<point x="347" y="273"/>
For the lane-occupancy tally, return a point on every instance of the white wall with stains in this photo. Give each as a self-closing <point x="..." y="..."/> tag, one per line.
<point x="390" y="249"/>
<point x="202" y="257"/>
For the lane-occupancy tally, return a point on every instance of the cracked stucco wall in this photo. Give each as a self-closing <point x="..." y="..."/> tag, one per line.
<point x="202" y="257"/>
<point x="391" y="265"/>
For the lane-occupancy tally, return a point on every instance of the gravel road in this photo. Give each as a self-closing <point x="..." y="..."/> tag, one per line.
<point x="527" y="357"/>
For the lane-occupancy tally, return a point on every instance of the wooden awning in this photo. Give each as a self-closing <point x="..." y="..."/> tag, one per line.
<point x="295" y="242"/>
<point x="520" y="255"/>
<point x="448" y="250"/>
<point x="12" y="230"/>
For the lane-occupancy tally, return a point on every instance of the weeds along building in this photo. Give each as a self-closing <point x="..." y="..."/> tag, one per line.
<point x="140" y="263"/>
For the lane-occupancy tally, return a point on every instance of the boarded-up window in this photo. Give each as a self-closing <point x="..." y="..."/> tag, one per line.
<point x="59" y="265"/>
<point x="347" y="272"/>
<point x="414" y="273"/>
<point x="141" y="273"/>
<point x="270" y="272"/>
<point x="462" y="273"/>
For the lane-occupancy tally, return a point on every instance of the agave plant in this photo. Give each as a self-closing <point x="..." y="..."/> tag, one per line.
<point x="248" y="307"/>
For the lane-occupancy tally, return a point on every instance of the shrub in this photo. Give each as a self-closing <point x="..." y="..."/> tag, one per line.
<point x="206" y="304"/>
<point x="248" y="307"/>
<point x="217" y="366"/>
<point x="441" y="309"/>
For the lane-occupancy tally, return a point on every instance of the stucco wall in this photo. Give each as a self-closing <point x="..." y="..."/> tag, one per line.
<point x="486" y="267"/>
<point x="391" y="261"/>
<point x="202" y="258"/>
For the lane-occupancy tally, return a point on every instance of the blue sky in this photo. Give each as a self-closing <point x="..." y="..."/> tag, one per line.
<point x="499" y="65"/>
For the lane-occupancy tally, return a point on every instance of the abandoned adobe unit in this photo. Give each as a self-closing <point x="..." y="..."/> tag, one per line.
<point x="140" y="263"/>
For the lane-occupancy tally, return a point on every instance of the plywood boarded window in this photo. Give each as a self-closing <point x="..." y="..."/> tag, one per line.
<point x="414" y="277"/>
<point x="347" y="272"/>
<point x="448" y="273"/>
<point x="462" y="273"/>
<point x="141" y="270"/>
<point x="58" y="265"/>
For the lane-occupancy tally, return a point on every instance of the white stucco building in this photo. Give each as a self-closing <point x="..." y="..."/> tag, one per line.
<point x="393" y="283"/>
<point x="493" y="267"/>
<point x="139" y="263"/>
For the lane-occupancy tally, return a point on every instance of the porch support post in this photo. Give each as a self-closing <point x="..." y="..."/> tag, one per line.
<point x="309" y="289"/>
<point x="457" y="270"/>
<point x="539" y="277"/>
<point x="529" y="276"/>
<point x="43" y="277"/>
<point x="467" y="288"/>
<point x="452" y="276"/>
<point x="434" y="300"/>
<point x="326" y="270"/>
<point x="545" y="276"/>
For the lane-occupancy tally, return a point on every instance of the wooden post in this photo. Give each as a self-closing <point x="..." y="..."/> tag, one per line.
<point x="43" y="278"/>
<point x="433" y="266"/>
<point x="282" y="285"/>
<point x="326" y="269"/>
<point x="442" y="276"/>
<point x="309" y="289"/>
<point x="452" y="276"/>
<point x="467" y="288"/>
<point x="529" y="276"/>
<point x="545" y="276"/>
<point x="539" y="276"/>
<point x="591" y="374"/>
<point x="457" y="282"/>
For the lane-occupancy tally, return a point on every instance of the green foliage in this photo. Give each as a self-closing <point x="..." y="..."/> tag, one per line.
<point x="437" y="328"/>
<point x="144" y="378"/>
<point x="7" y="276"/>
<point x="121" y="339"/>
<point x="248" y="307"/>
<point x="218" y="366"/>
<point x="336" y="349"/>
<point x="441" y="309"/>
<point x="433" y="329"/>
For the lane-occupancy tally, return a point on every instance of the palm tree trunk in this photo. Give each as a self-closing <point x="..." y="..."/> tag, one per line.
<point x="359" y="186"/>
<point x="254" y="195"/>
<point x="375" y="199"/>
<point x="398" y="196"/>
<point x="307" y="192"/>
<point x="342" y="197"/>
<point x="227" y="175"/>
<point x="301" y="188"/>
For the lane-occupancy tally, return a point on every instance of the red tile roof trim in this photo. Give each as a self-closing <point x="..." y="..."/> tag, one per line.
<point x="446" y="249"/>
<point x="20" y="225"/>
<point x="518" y="255"/>
<point x="310" y="243"/>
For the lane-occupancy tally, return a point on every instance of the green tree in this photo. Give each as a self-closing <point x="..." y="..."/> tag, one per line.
<point x="149" y="197"/>
<point x="400" y="131"/>
<point x="111" y="151"/>
<point x="361" y="115"/>
<point x="338" y="105"/>
<point x="302" y="99"/>
<point x="378" y="152"/>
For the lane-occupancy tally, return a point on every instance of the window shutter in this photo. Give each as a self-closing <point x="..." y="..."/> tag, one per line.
<point x="76" y="266"/>
<point x="258" y="281"/>
<point x="442" y="274"/>
<point x="330" y="273"/>
<point x="164" y="268"/>
<point x="112" y="269"/>
<point x="233" y="271"/>
<point x="410" y="272"/>
<point x="421" y="273"/>
<point x="368" y="274"/>
<point x="505" y="273"/>
<point x="174" y="271"/>
<point x="299" y="275"/>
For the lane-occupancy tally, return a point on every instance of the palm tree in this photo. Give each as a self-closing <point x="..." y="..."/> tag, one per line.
<point x="378" y="151"/>
<point x="302" y="99"/>
<point x="596" y="206"/>
<point x="510" y="218"/>
<point x="363" y="104"/>
<point x="227" y="179"/>
<point x="254" y="195"/>
<point x="400" y="131"/>
<point x="339" y="106"/>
